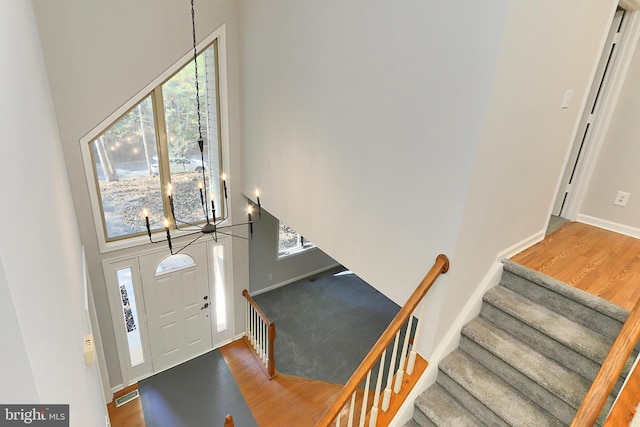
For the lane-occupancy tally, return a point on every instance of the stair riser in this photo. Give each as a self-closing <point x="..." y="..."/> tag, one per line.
<point x="420" y="418"/>
<point x="573" y="310"/>
<point x="442" y="409"/>
<point x="543" y="397"/>
<point x="474" y="406"/>
<point x="551" y="348"/>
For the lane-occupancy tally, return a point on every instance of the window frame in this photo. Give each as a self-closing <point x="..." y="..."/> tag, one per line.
<point x="300" y="248"/>
<point x="108" y="245"/>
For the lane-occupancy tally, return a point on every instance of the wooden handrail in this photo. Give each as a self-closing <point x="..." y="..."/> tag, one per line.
<point x="228" y="421"/>
<point x="271" y="331"/>
<point x="440" y="266"/>
<point x="610" y="370"/>
<point x="264" y="317"/>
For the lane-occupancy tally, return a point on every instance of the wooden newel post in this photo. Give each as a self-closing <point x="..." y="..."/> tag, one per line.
<point x="228" y="421"/>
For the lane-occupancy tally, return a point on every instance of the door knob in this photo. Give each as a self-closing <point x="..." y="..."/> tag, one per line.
<point x="206" y="304"/>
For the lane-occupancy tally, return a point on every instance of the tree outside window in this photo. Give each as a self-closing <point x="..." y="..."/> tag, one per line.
<point x="155" y="144"/>
<point x="290" y="241"/>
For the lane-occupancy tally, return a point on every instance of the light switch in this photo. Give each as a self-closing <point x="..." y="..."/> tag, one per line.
<point x="89" y="349"/>
<point x="566" y="100"/>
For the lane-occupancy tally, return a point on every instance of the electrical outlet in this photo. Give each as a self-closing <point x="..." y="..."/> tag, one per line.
<point x="622" y="198"/>
<point x="270" y="276"/>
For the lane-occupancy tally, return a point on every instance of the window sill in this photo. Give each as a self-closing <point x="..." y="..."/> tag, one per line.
<point x="294" y="252"/>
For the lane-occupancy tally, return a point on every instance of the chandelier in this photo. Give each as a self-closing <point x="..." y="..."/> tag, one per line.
<point x="211" y="226"/>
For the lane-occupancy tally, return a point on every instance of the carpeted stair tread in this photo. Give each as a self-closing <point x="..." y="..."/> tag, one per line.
<point x="413" y="423"/>
<point x="563" y="383"/>
<point x="551" y="348"/>
<point x="600" y="315"/>
<point x="498" y="396"/>
<point x="531" y="355"/>
<point x="589" y="300"/>
<point x="535" y="392"/>
<point x="442" y="409"/>
<point x="477" y="408"/>
<point x="573" y="335"/>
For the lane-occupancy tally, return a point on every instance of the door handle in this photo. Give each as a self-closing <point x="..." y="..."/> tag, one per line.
<point x="206" y="304"/>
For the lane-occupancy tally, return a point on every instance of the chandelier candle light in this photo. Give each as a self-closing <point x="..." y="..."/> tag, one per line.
<point x="210" y="227"/>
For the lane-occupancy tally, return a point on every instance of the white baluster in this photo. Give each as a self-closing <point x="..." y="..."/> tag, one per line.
<point x="256" y="328"/>
<point x="268" y="344"/>
<point x="403" y="357"/>
<point x="351" y="406"/>
<point x="258" y="335"/>
<point x="387" y="391"/>
<point x="246" y="323"/>
<point x="376" y="397"/>
<point x="365" y="398"/>
<point x="252" y="321"/>
<point x="412" y="357"/>
<point x="250" y="324"/>
<point x="264" y="341"/>
<point x="254" y="324"/>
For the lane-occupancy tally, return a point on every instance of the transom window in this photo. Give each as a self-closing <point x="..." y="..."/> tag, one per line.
<point x="291" y="242"/>
<point x="154" y="146"/>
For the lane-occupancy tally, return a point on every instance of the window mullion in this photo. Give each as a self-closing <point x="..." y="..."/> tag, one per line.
<point x="163" y="150"/>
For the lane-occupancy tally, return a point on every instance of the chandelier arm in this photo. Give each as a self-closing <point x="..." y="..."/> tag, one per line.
<point x="184" y="223"/>
<point x="237" y="225"/>
<point x="234" y="235"/>
<point x="195" y="233"/>
<point x="188" y="244"/>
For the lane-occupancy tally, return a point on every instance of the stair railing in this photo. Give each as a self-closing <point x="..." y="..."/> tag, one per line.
<point x="350" y="392"/>
<point x="610" y="370"/>
<point x="260" y="333"/>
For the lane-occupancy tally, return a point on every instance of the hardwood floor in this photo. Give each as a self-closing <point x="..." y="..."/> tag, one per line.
<point x="282" y="401"/>
<point x="601" y="262"/>
<point x="128" y="415"/>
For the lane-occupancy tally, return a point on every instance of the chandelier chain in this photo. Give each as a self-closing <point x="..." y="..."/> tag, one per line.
<point x="195" y="63"/>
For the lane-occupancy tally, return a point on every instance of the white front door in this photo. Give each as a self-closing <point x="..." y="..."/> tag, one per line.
<point x="178" y="304"/>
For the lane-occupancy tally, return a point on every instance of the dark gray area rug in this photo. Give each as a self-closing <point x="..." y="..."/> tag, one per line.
<point x="200" y="392"/>
<point x="326" y="325"/>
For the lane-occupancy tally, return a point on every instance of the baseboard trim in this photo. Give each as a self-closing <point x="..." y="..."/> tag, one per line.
<point x="116" y="389"/>
<point x="521" y="245"/>
<point x="609" y="225"/>
<point x="295" y="279"/>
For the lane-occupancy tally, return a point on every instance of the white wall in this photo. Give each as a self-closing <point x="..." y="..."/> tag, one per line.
<point x="98" y="56"/>
<point x="42" y="281"/>
<point x="360" y="122"/>
<point x="15" y="369"/>
<point x="548" y="47"/>
<point x="266" y="270"/>
<point x="617" y="166"/>
<point x="369" y="128"/>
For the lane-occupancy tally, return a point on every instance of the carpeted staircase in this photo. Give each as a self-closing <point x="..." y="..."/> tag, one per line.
<point x="527" y="360"/>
